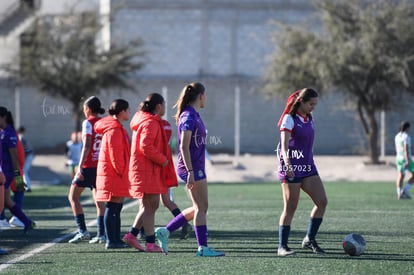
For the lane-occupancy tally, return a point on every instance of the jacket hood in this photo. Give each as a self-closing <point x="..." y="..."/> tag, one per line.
<point x="107" y="123"/>
<point x="140" y="117"/>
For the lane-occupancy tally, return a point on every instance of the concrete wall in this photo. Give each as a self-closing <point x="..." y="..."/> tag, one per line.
<point x="223" y="44"/>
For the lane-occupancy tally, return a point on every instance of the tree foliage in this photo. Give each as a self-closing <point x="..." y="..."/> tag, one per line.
<point x="60" y="55"/>
<point x="363" y="51"/>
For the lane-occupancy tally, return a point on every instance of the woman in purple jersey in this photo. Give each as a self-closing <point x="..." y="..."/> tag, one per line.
<point x="10" y="167"/>
<point x="2" y="182"/>
<point x="297" y="169"/>
<point x="191" y="168"/>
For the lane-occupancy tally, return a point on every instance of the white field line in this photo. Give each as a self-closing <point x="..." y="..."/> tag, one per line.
<point x="53" y="242"/>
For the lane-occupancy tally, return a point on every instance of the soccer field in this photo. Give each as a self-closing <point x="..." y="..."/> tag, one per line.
<point x="242" y="221"/>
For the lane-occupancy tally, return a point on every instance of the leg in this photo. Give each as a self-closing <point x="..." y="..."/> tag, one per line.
<point x="75" y="193"/>
<point x="150" y="204"/>
<point x="291" y="193"/>
<point x="17" y="211"/>
<point x="26" y="168"/>
<point x="167" y="202"/>
<point x="399" y="183"/>
<point x="100" y="212"/>
<point x="314" y="188"/>
<point x="199" y="196"/>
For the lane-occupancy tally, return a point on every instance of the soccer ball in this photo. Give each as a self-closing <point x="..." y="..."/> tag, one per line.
<point x="354" y="244"/>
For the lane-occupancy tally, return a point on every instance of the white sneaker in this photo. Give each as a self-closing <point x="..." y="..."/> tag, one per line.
<point x="15" y="222"/>
<point x="85" y="236"/>
<point x="4" y="224"/>
<point x="285" y="251"/>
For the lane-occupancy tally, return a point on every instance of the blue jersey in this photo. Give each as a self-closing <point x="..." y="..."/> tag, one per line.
<point x="8" y="140"/>
<point x="190" y="120"/>
<point x="300" y="146"/>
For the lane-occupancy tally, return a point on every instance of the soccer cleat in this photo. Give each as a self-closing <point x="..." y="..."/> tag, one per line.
<point x="98" y="239"/>
<point x="132" y="241"/>
<point x="4" y="224"/>
<point x="80" y="236"/>
<point x="29" y="227"/>
<point x="313" y="245"/>
<point x="118" y="245"/>
<point x="404" y="195"/>
<point x="205" y="251"/>
<point x="285" y="251"/>
<point x="15" y="222"/>
<point x="152" y="248"/>
<point x="185" y="231"/>
<point x="162" y="235"/>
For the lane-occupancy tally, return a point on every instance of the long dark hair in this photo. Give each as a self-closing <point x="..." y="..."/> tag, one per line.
<point x="94" y="104"/>
<point x="151" y="102"/>
<point x="304" y="96"/>
<point x="117" y="106"/>
<point x="188" y="95"/>
<point x="6" y="113"/>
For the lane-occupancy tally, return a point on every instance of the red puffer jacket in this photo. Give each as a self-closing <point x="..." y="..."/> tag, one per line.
<point x="112" y="172"/>
<point x="149" y="151"/>
<point x="170" y="175"/>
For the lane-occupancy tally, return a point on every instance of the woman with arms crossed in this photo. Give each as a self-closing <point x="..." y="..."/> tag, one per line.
<point x="297" y="169"/>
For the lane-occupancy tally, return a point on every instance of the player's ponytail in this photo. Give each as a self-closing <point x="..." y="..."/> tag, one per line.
<point x="94" y="104"/>
<point x="188" y="95"/>
<point x="151" y="102"/>
<point x="117" y="106"/>
<point x="304" y="96"/>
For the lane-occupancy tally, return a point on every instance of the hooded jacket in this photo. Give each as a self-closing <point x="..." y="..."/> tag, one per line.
<point x="149" y="151"/>
<point x="170" y="175"/>
<point x="112" y="172"/>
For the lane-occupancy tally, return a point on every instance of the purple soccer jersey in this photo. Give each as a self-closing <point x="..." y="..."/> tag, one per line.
<point x="300" y="147"/>
<point x="8" y="140"/>
<point x="190" y="120"/>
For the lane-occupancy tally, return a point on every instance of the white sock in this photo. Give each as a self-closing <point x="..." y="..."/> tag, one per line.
<point x="399" y="190"/>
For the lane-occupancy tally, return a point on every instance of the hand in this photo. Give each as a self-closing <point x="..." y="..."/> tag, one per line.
<point x="289" y="172"/>
<point x="190" y="180"/>
<point x="79" y="176"/>
<point x="2" y="178"/>
<point x="19" y="183"/>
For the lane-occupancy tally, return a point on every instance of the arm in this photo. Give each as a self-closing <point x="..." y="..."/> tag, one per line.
<point x="284" y="142"/>
<point x="146" y="145"/>
<point x="19" y="184"/>
<point x="14" y="158"/>
<point x="87" y="143"/>
<point x="185" y="151"/>
<point x="406" y="156"/>
<point x="116" y="144"/>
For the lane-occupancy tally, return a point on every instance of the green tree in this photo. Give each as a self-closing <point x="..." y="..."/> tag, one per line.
<point x="363" y="51"/>
<point x="61" y="56"/>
